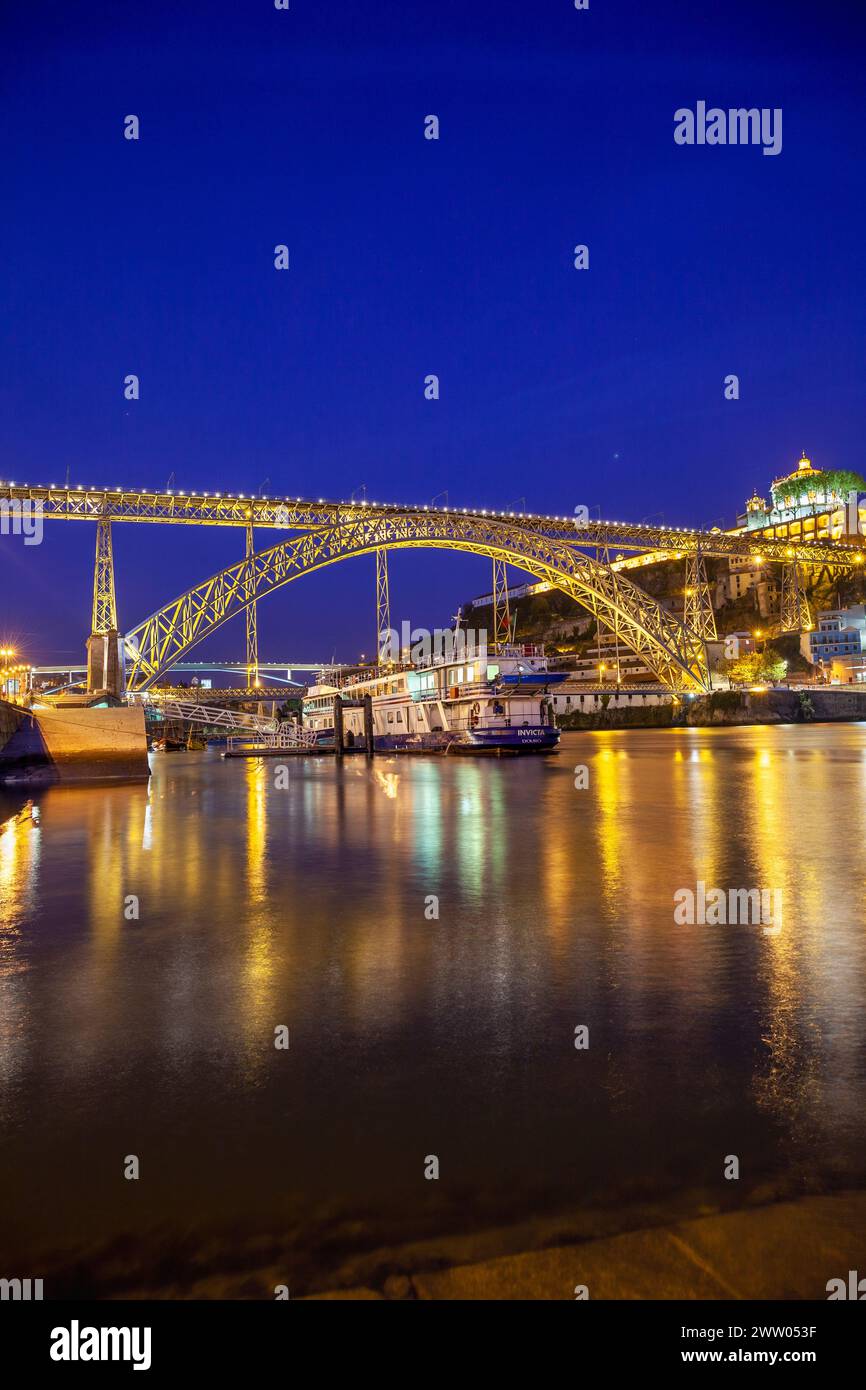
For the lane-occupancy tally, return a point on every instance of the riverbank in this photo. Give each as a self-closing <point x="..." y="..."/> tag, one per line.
<point x="772" y="1246"/>
<point x="790" y="1250"/>
<point x="729" y="708"/>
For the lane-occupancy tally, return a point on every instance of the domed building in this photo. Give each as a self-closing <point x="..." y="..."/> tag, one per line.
<point x="820" y="494"/>
<point x="809" y="487"/>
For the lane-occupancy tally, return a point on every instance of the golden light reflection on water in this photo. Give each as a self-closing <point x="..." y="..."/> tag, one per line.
<point x="610" y="772"/>
<point x="20" y="840"/>
<point x="793" y="851"/>
<point x="696" y="817"/>
<point x="256" y="988"/>
<point x="699" y="798"/>
<point x="389" y="783"/>
<point x="304" y="906"/>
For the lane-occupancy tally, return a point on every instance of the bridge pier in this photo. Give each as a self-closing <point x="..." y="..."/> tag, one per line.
<point x="104" y="667"/>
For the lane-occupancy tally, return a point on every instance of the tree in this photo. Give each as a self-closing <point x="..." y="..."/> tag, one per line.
<point x="832" y="483"/>
<point x="757" y="666"/>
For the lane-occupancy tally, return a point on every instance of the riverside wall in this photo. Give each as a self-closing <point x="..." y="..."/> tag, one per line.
<point x="834" y="704"/>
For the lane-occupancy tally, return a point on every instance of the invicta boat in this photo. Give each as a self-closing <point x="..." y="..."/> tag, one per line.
<point x="479" y="704"/>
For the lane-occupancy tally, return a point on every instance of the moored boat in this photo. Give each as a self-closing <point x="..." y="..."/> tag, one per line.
<point x="476" y="705"/>
<point x="168" y="745"/>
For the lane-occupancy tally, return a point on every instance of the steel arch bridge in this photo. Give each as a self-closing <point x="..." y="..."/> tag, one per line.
<point x="585" y="561"/>
<point x="676" y="654"/>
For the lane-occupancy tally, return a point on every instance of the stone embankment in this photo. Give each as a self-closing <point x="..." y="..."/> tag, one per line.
<point x="732" y="707"/>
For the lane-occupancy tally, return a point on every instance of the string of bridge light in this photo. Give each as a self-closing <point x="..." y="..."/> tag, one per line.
<point x="122" y="492"/>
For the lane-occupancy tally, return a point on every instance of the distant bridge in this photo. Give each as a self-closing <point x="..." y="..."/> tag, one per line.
<point x="271" y="668"/>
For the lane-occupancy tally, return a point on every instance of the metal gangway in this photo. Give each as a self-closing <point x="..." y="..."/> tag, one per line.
<point x="286" y="736"/>
<point x="241" y="727"/>
<point x="214" y="716"/>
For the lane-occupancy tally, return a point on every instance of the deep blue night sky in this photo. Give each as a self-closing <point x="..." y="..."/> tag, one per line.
<point x="411" y="257"/>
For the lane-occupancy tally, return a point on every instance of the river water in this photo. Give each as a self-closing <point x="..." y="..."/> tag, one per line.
<point x="310" y="906"/>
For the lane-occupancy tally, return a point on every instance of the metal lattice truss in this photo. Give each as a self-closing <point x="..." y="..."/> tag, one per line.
<point x="252" y="621"/>
<point x="677" y="657"/>
<point x="501" y="605"/>
<point x="104" y="601"/>
<point x="794" y="615"/>
<point x="191" y="509"/>
<point x="383" y="608"/>
<point x="698" y="614"/>
<point x="298" y="513"/>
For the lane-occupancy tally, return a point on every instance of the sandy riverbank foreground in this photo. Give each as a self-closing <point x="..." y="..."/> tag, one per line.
<point x="790" y="1250"/>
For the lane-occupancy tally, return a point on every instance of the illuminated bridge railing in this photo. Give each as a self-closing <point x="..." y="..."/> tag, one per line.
<point x="299" y="514"/>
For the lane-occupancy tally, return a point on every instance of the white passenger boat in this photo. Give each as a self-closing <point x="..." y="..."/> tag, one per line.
<point x="482" y="704"/>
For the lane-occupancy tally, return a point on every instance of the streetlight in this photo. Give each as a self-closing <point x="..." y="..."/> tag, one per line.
<point x="6" y="653"/>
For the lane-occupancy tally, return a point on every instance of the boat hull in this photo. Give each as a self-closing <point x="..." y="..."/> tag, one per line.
<point x="517" y="739"/>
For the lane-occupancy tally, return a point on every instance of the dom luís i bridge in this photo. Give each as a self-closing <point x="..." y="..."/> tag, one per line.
<point x="591" y="561"/>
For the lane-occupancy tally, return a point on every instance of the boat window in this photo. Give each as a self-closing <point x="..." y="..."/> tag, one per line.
<point x="492" y="672"/>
